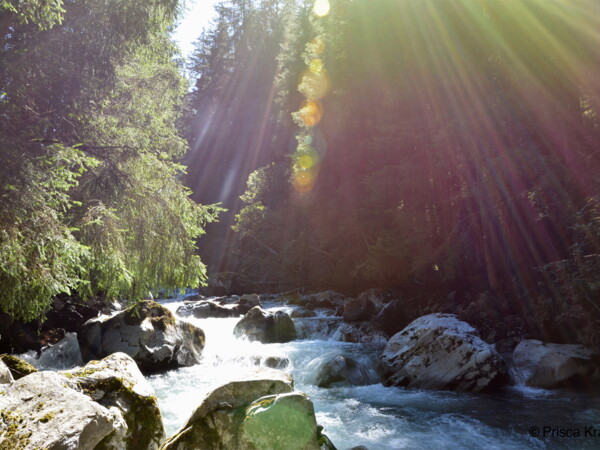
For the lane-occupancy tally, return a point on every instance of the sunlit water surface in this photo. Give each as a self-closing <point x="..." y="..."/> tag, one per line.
<point x="375" y="416"/>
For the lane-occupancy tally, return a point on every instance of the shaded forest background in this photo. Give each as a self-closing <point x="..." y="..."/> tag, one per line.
<point x="423" y="146"/>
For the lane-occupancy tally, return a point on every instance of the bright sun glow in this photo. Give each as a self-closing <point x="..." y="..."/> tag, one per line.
<point x="321" y="7"/>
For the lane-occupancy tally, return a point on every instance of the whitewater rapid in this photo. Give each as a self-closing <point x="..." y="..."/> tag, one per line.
<point x="372" y="415"/>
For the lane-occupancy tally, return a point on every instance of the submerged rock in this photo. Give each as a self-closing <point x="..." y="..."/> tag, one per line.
<point x="217" y="421"/>
<point x="302" y="313"/>
<point x="266" y="327"/>
<point x="438" y="351"/>
<point x="362" y="333"/>
<point x="148" y="332"/>
<point x="116" y="382"/>
<point x="342" y="370"/>
<point x="273" y="362"/>
<point x="18" y="367"/>
<point x="43" y="410"/>
<point x="551" y="366"/>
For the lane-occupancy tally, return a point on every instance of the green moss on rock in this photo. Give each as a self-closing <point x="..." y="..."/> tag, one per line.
<point x="141" y="413"/>
<point x="12" y="427"/>
<point x="159" y="316"/>
<point x="17" y="366"/>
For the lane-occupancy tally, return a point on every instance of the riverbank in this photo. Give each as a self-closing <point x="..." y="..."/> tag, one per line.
<point x="333" y="359"/>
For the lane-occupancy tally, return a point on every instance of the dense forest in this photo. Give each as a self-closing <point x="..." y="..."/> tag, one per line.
<point x="423" y="146"/>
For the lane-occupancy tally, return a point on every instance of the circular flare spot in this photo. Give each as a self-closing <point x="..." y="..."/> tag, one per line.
<point x="314" y="86"/>
<point x="315" y="66"/>
<point x="305" y="161"/>
<point x="311" y="113"/>
<point x="321" y="7"/>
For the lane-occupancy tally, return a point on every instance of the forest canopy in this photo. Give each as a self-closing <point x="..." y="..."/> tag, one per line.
<point x="355" y="143"/>
<point x="90" y="94"/>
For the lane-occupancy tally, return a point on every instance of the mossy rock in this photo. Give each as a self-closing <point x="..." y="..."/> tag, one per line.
<point x="116" y="381"/>
<point x="18" y="367"/>
<point x="159" y="316"/>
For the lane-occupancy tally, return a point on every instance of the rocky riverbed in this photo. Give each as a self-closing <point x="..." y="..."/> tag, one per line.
<point x="361" y="376"/>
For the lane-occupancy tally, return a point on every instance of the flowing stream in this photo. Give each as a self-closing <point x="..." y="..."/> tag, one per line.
<point x="371" y="415"/>
<point x="375" y="416"/>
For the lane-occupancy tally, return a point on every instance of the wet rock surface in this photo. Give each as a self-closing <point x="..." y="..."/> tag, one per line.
<point x="116" y="382"/>
<point x="438" y="351"/>
<point x="266" y="327"/>
<point x="552" y="366"/>
<point x="44" y="410"/>
<point x="149" y="333"/>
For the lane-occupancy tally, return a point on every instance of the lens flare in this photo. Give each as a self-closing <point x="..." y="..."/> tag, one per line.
<point x="314" y="86"/>
<point x="317" y="46"/>
<point x="316" y="66"/>
<point x="311" y="113"/>
<point x="305" y="161"/>
<point x="304" y="180"/>
<point x="321" y="7"/>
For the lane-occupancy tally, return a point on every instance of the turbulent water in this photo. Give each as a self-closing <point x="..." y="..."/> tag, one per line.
<point x="375" y="416"/>
<point x="372" y="415"/>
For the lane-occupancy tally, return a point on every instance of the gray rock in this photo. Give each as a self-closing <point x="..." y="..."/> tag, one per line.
<point x="116" y="382"/>
<point x="266" y="327"/>
<point x="342" y="370"/>
<point x="148" y="332"/>
<point x="247" y="302"/>
<point x="438" y="351"/>
<point x="273" y="362"/>
<point x="62" y="355"/>
<point x="5" y="375"/>
<point x="207" y="309"/>
<point x="551" y="366"/>
<point x="301" y="313"/>
<point x="217" y="421"/>
<point x="43" y="410"/>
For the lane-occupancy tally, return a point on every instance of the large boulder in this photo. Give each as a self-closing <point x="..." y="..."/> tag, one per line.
<point x="18" y="367"/>
<point x="116" y="382"/>
<point x="285" y="421"/>
<point x="43" y="410"/>
<point x="217" y="421"/>
<point x="358" y="309"/>
<point x="62" y="355"/>
<point x="207" y="309"/>
<point x="342" y="370"/>
<point x="551" y="366"/>
<point x="266" y="327"/>
<point x="438" y="351"/>
<point x="146" y="331"/>
<point x="5" y="375"/>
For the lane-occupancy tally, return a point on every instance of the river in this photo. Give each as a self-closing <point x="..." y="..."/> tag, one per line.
<point x="372" y="415"/>
<point x="375" y="416"/>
